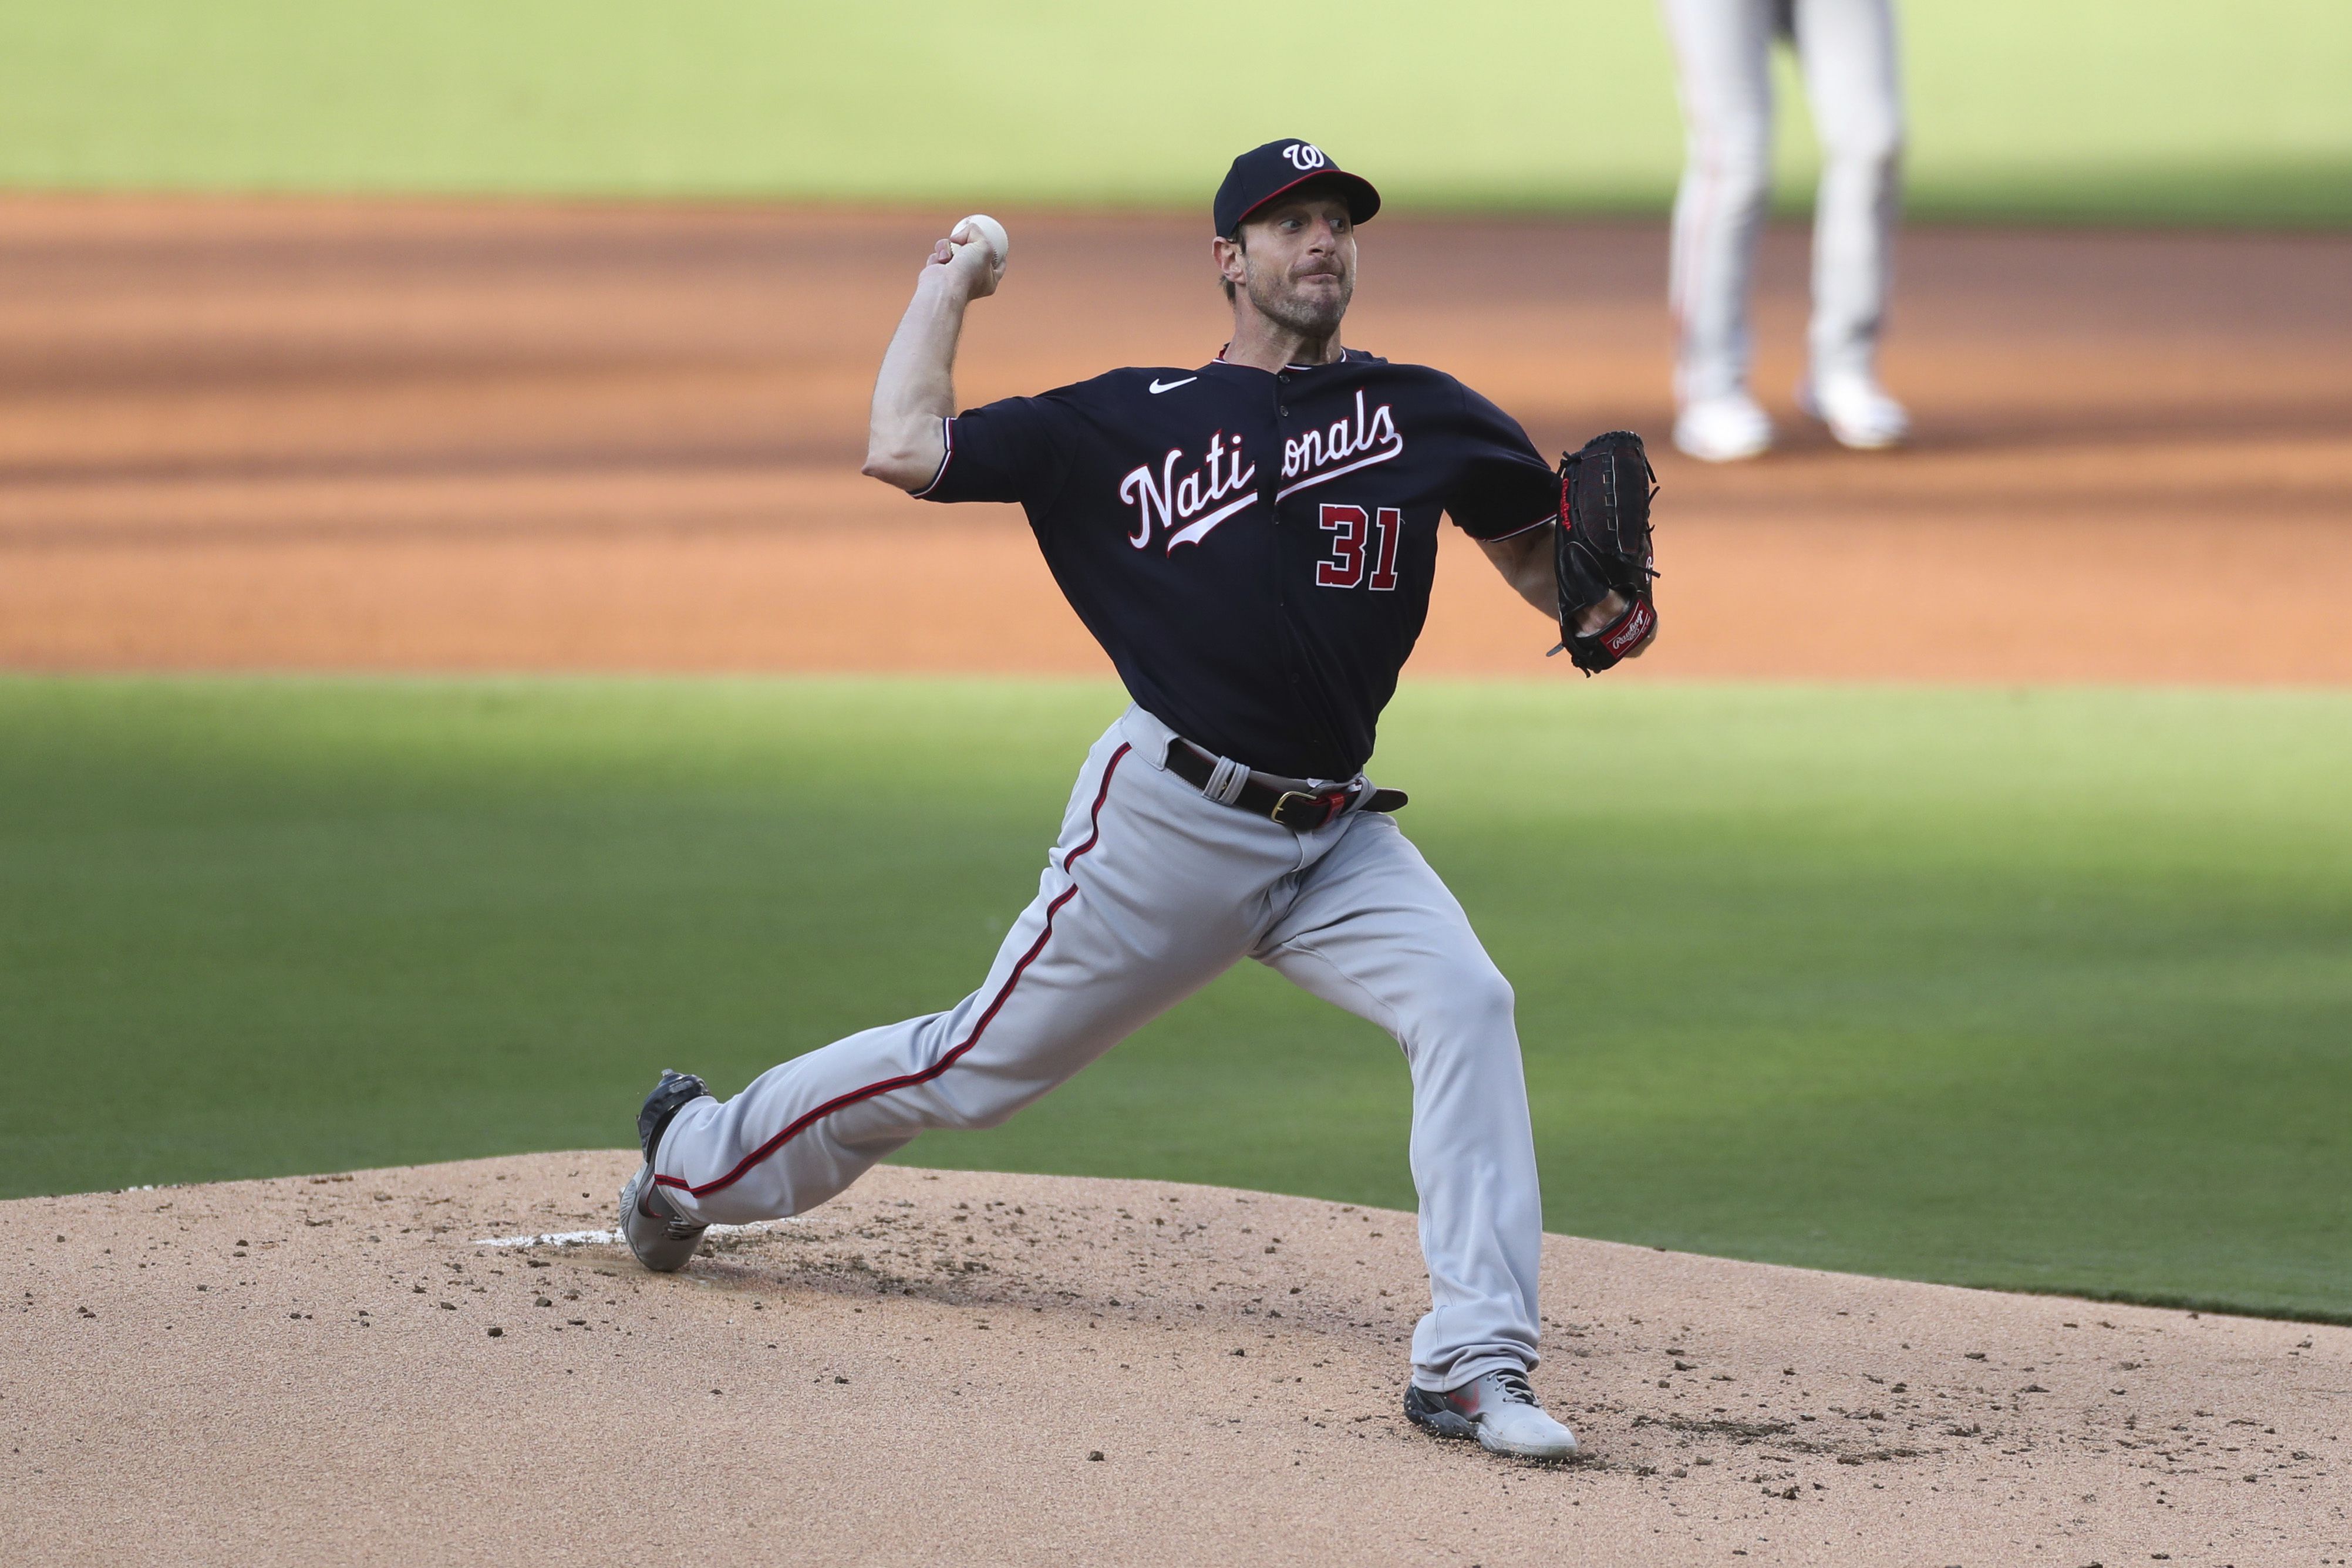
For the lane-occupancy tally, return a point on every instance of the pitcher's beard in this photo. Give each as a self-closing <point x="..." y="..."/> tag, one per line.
<point x="1309" y="317"/>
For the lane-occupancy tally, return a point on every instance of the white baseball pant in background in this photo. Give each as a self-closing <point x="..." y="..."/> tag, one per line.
<point x="1845" y="49"/>
<point x="1152" y="891"/>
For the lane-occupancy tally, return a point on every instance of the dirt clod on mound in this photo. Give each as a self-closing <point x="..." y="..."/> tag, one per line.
<point x="954" y="1367"/>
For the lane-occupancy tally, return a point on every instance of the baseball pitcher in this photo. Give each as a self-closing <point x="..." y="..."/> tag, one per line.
<point x="1253" y="541"/>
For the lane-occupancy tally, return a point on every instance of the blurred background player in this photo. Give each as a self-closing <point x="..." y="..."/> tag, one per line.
<point x="1845" y="51"/>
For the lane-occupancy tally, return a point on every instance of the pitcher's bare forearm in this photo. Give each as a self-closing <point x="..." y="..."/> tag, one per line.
<point x="916" y="389"/>
<point x="1525" y="561"/>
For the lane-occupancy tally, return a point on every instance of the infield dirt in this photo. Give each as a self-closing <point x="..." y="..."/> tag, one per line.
<point x="393" y="435"/>
<point x="943" y="1367"/>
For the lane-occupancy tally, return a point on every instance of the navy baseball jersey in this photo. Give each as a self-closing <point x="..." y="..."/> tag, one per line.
<point x="1254" y="549"/>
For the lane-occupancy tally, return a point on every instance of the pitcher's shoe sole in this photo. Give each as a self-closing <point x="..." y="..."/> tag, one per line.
<point x="662" y="1239"/>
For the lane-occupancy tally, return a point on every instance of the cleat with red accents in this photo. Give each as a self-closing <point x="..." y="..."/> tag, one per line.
<point x="1498" y="1409"/>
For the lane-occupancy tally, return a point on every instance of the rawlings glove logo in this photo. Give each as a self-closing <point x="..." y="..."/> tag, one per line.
<point x="1632" y="627"/>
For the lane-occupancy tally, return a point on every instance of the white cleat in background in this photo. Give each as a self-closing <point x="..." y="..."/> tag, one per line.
<point x="1857" y="410"/>
<point x="1727" y="429"/>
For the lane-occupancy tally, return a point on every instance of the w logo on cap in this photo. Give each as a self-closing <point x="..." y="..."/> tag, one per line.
<point x="1272" y="168"/>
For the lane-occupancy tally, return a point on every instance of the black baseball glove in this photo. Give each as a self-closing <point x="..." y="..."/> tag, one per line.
<point x="1602" y="546"/>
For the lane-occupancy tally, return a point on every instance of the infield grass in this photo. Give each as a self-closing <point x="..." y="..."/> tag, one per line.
<point x="2048" y="990"/>
<point x="2142" y="111"/>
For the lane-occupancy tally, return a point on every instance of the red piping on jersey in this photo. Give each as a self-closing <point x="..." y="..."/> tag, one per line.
<point x="1551" y="517"/>
<point x="947" y="455"/>
<point x="1221" y="360"/>
<point x="908" y="1080"/>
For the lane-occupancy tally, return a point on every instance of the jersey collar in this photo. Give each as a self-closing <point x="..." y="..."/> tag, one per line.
<point x="1345" y="356"/>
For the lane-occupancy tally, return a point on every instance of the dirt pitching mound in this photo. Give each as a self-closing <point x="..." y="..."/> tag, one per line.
<point x="972" y="1368"/>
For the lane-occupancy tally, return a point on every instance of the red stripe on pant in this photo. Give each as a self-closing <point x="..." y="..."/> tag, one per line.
<point x="907" y="1081"/>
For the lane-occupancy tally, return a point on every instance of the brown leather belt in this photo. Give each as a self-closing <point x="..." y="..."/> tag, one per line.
<point x="1289" y="802"/>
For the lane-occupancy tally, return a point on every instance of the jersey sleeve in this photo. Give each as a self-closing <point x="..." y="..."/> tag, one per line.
<point x="1502" y="486"/>
<point x="1016" y="450"/>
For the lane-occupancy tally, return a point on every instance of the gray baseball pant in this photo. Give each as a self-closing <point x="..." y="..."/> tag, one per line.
<point x="1152" y="891"/>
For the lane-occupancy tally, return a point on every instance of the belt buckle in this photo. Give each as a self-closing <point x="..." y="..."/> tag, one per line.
<point x="1326" y="804"/>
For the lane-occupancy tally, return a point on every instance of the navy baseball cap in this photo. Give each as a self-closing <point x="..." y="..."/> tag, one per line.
<point x="1262" y="173"/>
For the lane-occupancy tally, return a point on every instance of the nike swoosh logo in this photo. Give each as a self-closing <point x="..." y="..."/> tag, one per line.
<point x="1157" y="388"/>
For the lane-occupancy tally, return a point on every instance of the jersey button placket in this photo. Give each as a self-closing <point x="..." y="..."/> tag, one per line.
<point x="1291" y="674"/>
<point x="1274" y="486"/>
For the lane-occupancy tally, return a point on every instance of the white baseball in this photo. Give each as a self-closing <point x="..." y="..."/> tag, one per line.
<point x="982" y="229"/>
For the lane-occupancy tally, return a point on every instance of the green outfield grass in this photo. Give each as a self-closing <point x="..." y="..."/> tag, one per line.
<point x="2136" y="109"/>
<point x="2044" y="990"/>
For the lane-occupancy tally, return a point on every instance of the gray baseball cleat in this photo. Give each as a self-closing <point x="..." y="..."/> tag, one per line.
<point x="1498" y="1409"/>
<point x="661" y="1237"/>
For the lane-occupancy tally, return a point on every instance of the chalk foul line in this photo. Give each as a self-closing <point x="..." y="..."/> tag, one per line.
<point x="598" y="1238"/>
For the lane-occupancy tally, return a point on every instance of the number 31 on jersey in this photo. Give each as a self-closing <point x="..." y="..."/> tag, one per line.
<point x="1352" y="542"/>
